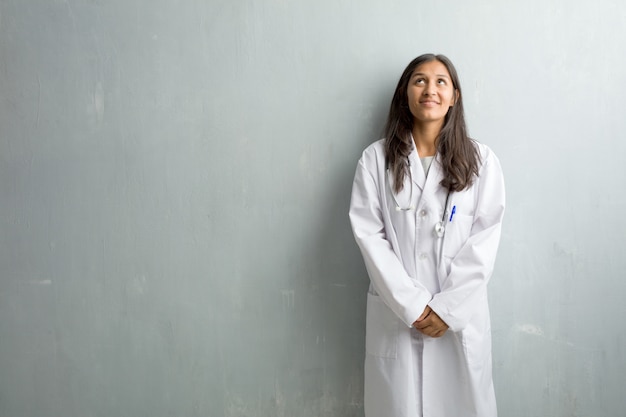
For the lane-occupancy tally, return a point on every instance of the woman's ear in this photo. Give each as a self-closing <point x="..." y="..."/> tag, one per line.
<point x="456" y="97"/>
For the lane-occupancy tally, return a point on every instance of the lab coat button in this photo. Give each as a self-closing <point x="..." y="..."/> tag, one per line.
<point x="423" y="256"/>
<point x="423" y="213"/>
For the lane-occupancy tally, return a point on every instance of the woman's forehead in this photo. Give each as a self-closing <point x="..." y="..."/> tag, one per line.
<point x="433" y="67"/>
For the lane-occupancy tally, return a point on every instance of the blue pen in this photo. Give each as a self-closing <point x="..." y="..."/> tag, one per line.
<point x="453" y="211"/>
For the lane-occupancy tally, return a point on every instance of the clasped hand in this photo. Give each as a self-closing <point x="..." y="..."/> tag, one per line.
<point x="430" y="324"/>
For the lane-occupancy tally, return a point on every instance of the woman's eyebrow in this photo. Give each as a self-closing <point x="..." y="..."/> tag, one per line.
<point x="436" y="75"/>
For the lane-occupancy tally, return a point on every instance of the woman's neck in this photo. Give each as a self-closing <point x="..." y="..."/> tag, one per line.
<point x="425" y="138"/>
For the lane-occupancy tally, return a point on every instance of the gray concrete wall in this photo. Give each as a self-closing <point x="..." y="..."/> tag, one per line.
<point x="174" y="186"/>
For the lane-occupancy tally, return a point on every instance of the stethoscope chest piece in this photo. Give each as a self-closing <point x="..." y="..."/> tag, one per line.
<point x="439" y="229"/>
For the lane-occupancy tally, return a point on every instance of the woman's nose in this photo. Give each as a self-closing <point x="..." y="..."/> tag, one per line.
<point x="429" y="89"/>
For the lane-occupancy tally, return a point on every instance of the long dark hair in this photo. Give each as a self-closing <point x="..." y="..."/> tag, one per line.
<point x="459" y="155"/>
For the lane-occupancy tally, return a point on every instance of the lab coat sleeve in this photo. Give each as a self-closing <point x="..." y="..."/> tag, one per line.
<point x="405" y="297"/>
<point x="465" y="286"/>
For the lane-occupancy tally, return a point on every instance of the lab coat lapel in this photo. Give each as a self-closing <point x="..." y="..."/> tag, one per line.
<point x="435" y="175"/>
<point x="417" y="171"/>
<point x="428" y="185"/>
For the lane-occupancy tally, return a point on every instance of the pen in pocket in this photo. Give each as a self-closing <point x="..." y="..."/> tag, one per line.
<point x="452" y="214"/>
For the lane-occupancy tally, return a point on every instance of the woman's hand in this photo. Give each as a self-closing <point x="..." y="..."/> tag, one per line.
<point x="430" y="324"/>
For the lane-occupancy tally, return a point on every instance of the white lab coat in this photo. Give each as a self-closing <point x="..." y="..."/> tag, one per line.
<point x="408" y="374"/>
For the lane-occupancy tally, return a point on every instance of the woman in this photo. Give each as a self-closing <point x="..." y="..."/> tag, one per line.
<point x="426" y="211"/>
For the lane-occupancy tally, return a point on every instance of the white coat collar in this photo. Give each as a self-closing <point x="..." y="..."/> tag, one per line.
<point x="435" y="173"/>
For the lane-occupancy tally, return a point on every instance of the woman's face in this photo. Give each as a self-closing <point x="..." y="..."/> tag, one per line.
<point x="430" y="93"/>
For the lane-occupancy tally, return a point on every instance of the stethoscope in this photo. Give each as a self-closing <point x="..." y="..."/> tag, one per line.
<point x="440" y="226"/>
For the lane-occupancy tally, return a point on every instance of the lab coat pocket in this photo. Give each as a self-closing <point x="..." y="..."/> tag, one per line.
<point x="477" y="347"/>
<point x="381" y="329"/>
<point x="456" y="234"/>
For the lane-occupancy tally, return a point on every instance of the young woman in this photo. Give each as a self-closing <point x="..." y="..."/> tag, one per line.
<point x="426" y="211"/>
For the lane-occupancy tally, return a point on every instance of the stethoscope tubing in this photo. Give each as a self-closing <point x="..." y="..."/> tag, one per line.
<point x="440" y="227"/>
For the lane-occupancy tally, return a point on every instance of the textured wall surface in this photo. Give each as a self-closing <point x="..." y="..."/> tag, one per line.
<point x="174" y="187"/>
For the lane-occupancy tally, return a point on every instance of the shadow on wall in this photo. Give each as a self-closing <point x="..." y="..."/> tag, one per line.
<point x="328" y="300"/>
<point x="303" y="285"/>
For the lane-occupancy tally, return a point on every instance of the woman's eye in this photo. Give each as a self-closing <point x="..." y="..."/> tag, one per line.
<point x="441" y="81"/>
<point x="419" y="81"/>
